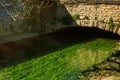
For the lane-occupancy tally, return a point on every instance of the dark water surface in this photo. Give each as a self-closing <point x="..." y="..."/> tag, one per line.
<point x="21" y="50"/>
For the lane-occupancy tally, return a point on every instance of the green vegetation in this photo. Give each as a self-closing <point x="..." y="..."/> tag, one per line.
<point x="65" y="64"/>
<point x="75" y="16"/>
<point x="86" y="18"/>
<point x="118" y="25"/>
<point x="67" y="20"/>
<point x="102" y="21"/>
<point x="111" y="23"/>
<point x="95" y="18"/>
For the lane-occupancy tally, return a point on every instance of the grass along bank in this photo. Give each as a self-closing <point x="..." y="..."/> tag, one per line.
<point x="65" y="64"/>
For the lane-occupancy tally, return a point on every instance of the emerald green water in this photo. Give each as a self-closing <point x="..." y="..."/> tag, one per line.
<point x="61" y="55"/>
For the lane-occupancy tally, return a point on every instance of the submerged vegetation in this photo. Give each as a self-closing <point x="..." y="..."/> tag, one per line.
<point x="65" y="64"/>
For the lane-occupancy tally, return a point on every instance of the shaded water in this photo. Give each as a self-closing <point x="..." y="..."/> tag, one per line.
<point x="21" y="50"/>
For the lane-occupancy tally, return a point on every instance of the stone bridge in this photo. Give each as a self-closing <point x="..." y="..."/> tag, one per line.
<point x="58" y="14"/>
<point x="103" y="14"/>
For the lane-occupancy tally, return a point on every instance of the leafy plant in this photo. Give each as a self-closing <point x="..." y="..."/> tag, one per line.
<point x="118" y="25"/>
<point x="86" y="18"/>
<point x="111" y="23"/>
<point x="102" y="21"/>
<point x="75" y="16"/>
<point x="95" y="18"/>
<point x="67" y="20"/>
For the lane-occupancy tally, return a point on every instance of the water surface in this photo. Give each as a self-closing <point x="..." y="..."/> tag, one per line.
<point x="22" y="50"/>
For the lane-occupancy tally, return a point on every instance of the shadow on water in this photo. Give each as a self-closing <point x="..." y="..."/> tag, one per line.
<point x="22" y="50"/>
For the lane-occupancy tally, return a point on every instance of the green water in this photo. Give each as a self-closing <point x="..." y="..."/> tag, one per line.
<point x="62" y="55"/>
<point x="21" y="50"/>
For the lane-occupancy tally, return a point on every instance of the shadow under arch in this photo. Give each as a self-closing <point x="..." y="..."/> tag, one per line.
<point x="88" y="32"/>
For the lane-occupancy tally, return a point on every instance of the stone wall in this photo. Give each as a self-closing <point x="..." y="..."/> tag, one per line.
<point x="45" y="22"/>
<point x="101" y="11"/>
<point x="5" y="23"/>
<point x="90" y="15"/>
<point x="99" y="15"/>
<point x="10" y="27"/>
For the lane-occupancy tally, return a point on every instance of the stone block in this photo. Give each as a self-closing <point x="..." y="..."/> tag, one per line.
<point x="118" y="31"/>
<point x="115" y="29"/>
<point x="78" y="22"/>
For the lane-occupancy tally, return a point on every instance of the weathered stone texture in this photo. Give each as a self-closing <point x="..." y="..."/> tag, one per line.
<point x="101" y="11"/>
